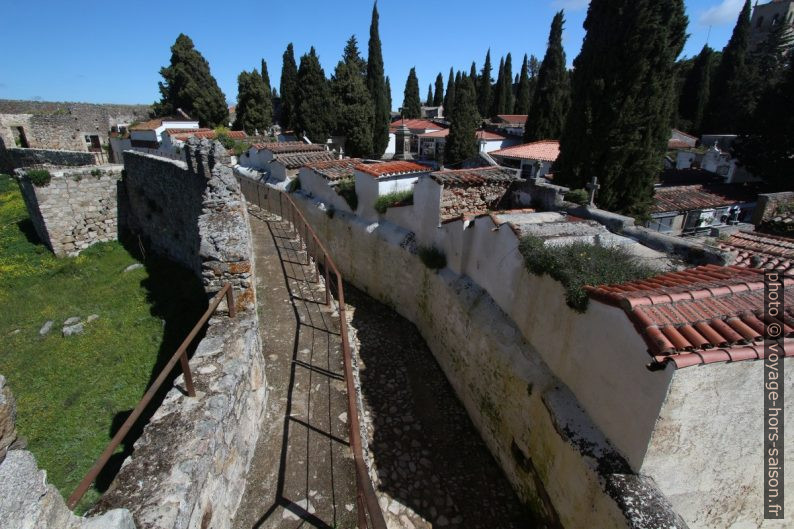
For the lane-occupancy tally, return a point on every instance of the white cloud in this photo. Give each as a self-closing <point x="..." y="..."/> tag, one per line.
<point x="725" y="13"/>
<point x="570" y="5"/>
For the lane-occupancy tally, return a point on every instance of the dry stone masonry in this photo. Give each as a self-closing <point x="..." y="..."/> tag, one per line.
<point x="76" y="209"/>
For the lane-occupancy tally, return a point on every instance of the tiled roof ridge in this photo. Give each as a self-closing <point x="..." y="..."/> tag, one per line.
<point x="723" y="354"/>
<point x="383" y="169"/>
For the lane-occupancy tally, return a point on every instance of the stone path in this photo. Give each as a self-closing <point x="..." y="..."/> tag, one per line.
<point x="302" y="474"/>
<point x="433" y="467"/>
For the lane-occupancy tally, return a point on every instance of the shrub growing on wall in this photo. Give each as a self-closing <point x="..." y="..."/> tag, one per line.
<point x="390" y="200"/>
<point x="39" y="177"/>
<point x="577" y="196"/>
<point x="347" y="190"/>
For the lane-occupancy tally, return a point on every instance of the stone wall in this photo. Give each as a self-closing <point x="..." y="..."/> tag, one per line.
<point x="457" y="200"/>
<point x="771" y="205"/>
<point x="15" y="158"/>
<point x="27" y="501"/>
<point x="78" y="208"/>
<point x="191" y="212"/>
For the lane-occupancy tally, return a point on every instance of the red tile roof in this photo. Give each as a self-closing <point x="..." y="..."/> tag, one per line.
<point x="295" y="160"/>
<point x="282" y="147"/>
<point x="481" y="134"/>
<point x="682" y="133"/>
<point x="513" y="119"/>
<point x="334" y="170"/>
<point x="545" y="151"/>
<point x="155" y="123"/>
<point x="674" y="145"/>
<point x="762" y="251"/>
<point x="702" y="315"/>
<point x="415" y="124"/>
<point x="395" y="167"/>
<point x="476" y="177"/>
<point x="686" y="198"/>
<point x="183" y="134"/>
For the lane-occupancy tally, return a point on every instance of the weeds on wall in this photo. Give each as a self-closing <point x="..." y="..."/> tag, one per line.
<point x="577" y="196"/>
<point x="390" y="200"/>
<point x="347" y="189"/>
<point x="579" y="264"/>
<point x="293" y="185"/>
<point x="432" y="257"/>
<point x="39" y="177"/>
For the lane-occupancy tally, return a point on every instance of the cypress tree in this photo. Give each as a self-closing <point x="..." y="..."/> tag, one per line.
<point x="388" y="96"/>
<point x="622" y="100"/>
<point x="473" y="77"/>
<point x="429" y="99"/>
<point x="449" y="97"/>
<point x="461" y="142"/>
<point x="376" y="84"/>
<point x="353" y="104"/>
<point x="550" y="102"/>
<point x="288" y="89"/>
<point x="412" y="106"/>
<point x="523" y="91"/>
<point x="438" y="97"/>
<point x="254" y="108"/>
<point x="695" y="92"/>
<point x="769" y="60"/>
<point x="352" y="56"/>
<point x="313" y="114"/>
<point x="497" y="97"/>
<point x="508" y="100"/>
<point x="188" y="85"/>
<point x="730" y="103"/>
<point x="484" y="90"/>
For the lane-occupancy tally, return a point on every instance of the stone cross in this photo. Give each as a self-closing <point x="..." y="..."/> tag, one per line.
<point x="593" y="187"/>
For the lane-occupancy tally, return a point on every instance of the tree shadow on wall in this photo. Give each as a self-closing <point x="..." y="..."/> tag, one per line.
<point x="177" y="297"/>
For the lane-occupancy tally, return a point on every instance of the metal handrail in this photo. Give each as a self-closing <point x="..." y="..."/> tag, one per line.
<point x="181" y="355"/>
<point x="366" y="499"/>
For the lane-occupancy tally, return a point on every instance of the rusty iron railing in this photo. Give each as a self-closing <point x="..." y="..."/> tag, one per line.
<point x="181" y="356"/>
<point x="369" y="511"/>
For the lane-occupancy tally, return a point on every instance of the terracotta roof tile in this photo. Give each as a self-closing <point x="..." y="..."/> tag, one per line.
<point x="481" y="134"/>
<point x="184" y="134"/>
<point x="415" y="124"/>
<point x="546" y="151"/>
<point x="700" y="315"/>
<point x="513" y="119"/>
<point x="148" y="125"/>
<point x="283" y="147"/>
<point x="475" y="177"/>
<point x="762" y="251"/>
<point x="395" y="167"/>
<point x="334" y="170"/>
<point x="686" y="198"/>
<point x="296" y="160"/>
<point x="674" y="144"/>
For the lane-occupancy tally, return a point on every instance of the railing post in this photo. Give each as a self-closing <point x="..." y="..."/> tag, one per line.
<point x="230" y="301"/>
<point x="327" y="281"/>
<point x="191" y="391"/>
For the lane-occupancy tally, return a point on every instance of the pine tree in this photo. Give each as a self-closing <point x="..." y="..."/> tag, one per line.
<point x="354" y="105"/>
<point x="523" y="92"/>
<point x="461" y="142"/>
<point x="352" y="56"/>
<point x="289" y="89"/>
<point x="412" y="106"/>
<point x="766" y="149"/>
<point x="438" y="97"/>
<point x="622" y="100"/>
<point x="254" y="108"/>
<point x="497" y="97"/>
<point x="188" y="85"/>
<point x="508" y="100"/>
<point x="550" y="102"/>
<point x="730" y="103"/>
<point x="449" y="97"/>
<point x="429" y="98"/>
<point x="484" y="89"/>
<point x="695" y="91"/>
<point x="376" y="84"/>
<point x="314" y="116"/>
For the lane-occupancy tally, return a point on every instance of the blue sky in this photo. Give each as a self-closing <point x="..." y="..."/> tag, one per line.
<point x="111" y="52"/>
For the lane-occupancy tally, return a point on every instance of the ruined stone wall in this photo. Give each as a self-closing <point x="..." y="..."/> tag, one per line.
<point x="76" y="209"/>
<point x="15" y="158"/>
<point x="191" y="212"/>
<point x="27" y="501"/>
<point x="457" y="200"/>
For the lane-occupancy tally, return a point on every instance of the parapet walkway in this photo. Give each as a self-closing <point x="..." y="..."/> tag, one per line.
<point x="433" y="468"/>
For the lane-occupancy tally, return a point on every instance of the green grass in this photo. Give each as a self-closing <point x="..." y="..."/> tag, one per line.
<point x="72" y="392"/>
<point x="580" y="264"/>
<point x="390" y="200"/>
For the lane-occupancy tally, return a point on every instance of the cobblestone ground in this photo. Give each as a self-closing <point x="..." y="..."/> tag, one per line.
<point x="434" y="469"/>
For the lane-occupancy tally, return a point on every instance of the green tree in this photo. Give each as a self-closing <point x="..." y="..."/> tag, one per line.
<point x="289" y="89"/>
<point x="354" y="106"/>
<point x="188" y="85"/>
<point x="429" y="98"/>
<point x="473" y="77"/>
<point x="766" y="149"/>
<point x="695" y="91"/>
<point x="388" y="96"/>
<point x="438" y="97"/>
<point x="622" y="100"/>
<point x="508" y="100"/>
<point x="462" y="139"/>
<point x="313" y="114"/>
<point x="449" y="98"/>
<point x="254" y="108"/>
<point x="352" y="56"/>
<point x="376" y="84"/>
<point x="770" y="58"/>
<point x="497" y="98"/>
<point x="484" y="90"/>
<point x="550" y="102"/>
<point x="412" y="106"/>
<point x="730" y="103"/>
<point x="523" y="92"/>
